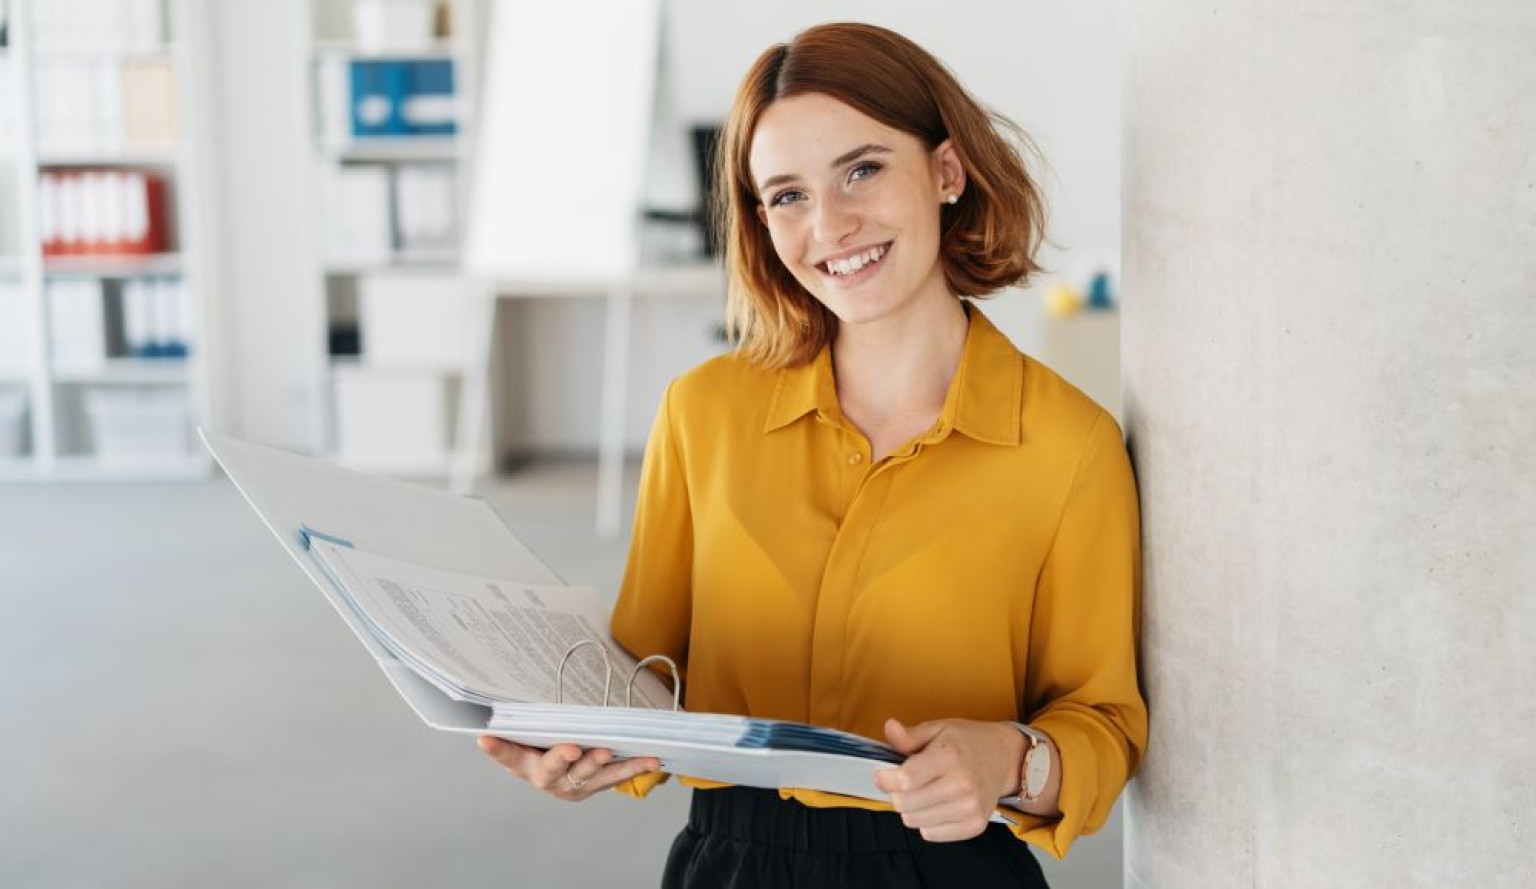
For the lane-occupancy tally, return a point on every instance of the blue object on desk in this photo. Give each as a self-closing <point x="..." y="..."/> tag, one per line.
<point x="1099" y="294"/>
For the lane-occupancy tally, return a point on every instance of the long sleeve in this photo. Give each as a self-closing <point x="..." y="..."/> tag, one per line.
<point x="655" y="604"/>
<point x="1081" y="687"/>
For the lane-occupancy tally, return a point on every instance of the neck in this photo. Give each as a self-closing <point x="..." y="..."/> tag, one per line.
<point x="902" y="364"/>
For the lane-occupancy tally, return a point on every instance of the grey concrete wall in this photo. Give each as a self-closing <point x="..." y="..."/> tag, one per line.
<point x="1330" y="358"/>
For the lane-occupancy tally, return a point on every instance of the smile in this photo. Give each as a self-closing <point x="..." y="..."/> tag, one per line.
<point x="857" y="267"/>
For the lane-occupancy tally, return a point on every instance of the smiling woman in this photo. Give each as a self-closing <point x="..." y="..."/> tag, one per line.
<point x="876" y="514"/>
<point x="826" y="124"/>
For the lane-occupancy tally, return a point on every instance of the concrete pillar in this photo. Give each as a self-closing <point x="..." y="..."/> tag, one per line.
<point x="1330" y="361"/>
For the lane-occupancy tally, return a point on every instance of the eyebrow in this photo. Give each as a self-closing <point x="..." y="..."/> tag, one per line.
<point x="844" y="158"/>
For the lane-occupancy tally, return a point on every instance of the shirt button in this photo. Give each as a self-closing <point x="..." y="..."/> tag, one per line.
<point x="855" y="458"/>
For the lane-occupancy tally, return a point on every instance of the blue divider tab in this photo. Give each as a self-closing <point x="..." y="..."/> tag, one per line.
<point x="308" y="535"/>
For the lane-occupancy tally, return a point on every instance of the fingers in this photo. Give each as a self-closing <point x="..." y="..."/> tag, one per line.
<point x="583" y="770"/>
<point x="933" y="794"/>
<point x="596" y="771"/>
<point x="909" y="739"/>
<point x="515" y="758"/>
<point x="919" y="770"/>
<point x="553" y="765"/>
<point x="947" y="812"/>
<point x="617" y="773"/>
<point x="565" y="771"/>
<point x="538" y="767"/>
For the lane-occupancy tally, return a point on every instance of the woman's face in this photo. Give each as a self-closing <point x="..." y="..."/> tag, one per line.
<point x="839" y="187"/>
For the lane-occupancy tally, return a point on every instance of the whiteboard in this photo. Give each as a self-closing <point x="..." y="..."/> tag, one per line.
<point x="565" y="121"/>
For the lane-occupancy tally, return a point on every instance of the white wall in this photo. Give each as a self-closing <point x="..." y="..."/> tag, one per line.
<point x="1330" y="211"/>
<point x="1051" y="67"/>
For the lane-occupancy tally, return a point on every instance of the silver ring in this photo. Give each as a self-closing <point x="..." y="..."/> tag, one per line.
<point x="576" y="783"/>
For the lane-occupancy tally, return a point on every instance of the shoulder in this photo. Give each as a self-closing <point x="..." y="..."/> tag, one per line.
<point x="725" y="378"/>
<point x="726" y="388"/>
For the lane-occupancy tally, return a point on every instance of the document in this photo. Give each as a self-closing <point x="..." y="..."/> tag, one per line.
<point x="488" y="641"/>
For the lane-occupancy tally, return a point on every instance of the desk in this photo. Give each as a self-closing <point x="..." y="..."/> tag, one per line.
<point x="471" y="441"/>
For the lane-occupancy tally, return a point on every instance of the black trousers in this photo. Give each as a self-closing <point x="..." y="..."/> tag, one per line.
<point x="744" y="837"/>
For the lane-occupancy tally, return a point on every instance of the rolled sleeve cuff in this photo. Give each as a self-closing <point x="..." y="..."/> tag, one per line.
<point x="641" y="784"/>
<point x="1077" y="795"/>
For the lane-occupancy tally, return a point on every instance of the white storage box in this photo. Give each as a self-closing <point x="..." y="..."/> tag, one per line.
<point x="393" y="421"/>
<point x="13" y="423"/>
<point x="130" y="425"/>
<point x="416" y="322"/>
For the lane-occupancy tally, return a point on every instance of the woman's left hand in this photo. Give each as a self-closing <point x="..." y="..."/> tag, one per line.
<point x="956" y="771"/>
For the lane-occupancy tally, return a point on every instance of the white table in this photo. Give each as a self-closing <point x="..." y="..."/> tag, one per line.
<point x="471" y="443"/>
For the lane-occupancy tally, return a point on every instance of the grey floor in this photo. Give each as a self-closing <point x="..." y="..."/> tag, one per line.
<point x="179" y="709"/>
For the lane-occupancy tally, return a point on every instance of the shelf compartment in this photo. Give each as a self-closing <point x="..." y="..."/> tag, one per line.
<point x="441" y="49"/>
<point x="394" y="149"/>
<point x="130" y="371"/>
<point x="126" y="157"/>
<point x="105" y="266"/>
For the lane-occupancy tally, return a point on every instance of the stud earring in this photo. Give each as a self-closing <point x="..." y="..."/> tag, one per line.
<point x="954" y="199"/>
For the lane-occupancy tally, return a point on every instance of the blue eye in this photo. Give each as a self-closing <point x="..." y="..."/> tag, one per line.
<point x="873" y="168"/>
<point x="784" y="197"/>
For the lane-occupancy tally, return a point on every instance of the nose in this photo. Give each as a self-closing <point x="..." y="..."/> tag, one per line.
<point x="834" y="221"/>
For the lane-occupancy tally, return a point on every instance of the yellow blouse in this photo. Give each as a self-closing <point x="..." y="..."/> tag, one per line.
<point x="989" y="570"/>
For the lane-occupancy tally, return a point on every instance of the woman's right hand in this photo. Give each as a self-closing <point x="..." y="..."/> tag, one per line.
<point x="565" y="771"/>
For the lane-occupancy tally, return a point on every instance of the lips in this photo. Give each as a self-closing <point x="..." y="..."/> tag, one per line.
<point x="866" y="271"/>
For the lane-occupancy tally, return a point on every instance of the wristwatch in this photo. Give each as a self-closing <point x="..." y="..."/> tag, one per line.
<point x="1036" y="770"/>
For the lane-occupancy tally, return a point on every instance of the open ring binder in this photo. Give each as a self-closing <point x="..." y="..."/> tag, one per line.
<point x="490" y="610"/>
<point x="629" y="687"/>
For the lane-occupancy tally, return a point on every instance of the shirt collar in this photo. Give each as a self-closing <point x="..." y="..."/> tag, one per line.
<point x="985" y="399"/>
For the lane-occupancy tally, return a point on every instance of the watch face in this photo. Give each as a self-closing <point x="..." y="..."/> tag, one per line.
<point x="1037" y="771"/>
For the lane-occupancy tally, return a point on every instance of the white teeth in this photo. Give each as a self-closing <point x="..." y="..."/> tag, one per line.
<point x="854" y="263"/>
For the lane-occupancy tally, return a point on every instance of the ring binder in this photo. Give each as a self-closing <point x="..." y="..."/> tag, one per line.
<point x="378" y="516"/>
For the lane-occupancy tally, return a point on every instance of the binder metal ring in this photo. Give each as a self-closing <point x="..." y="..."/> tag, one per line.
<point x="607" y="670"/>
<point x="677" y="684"/>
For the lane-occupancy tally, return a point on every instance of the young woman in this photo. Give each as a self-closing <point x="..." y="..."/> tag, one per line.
<point x="877" y="514"/>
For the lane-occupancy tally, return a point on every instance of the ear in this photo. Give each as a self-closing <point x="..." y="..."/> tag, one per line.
<point x="762" y="214"/>
<point x="949" y="173"/>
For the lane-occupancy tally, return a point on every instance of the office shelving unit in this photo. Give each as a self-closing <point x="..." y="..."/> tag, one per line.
<point x="428" y="388"/>
<point x="60" y="440"/>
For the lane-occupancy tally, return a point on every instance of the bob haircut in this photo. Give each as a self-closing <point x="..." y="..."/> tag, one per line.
<point x="987" y="241"/>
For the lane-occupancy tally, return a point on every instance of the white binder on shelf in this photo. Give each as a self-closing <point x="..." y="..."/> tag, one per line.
<point x="428" y="581"/>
